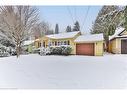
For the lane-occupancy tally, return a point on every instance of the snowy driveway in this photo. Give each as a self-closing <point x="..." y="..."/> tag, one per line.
<point x="63" y="72"/>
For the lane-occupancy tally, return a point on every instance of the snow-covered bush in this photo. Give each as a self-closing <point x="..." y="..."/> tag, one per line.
<point x="66" y="50"/>
<point x="56" y="50"/>
<point x="44" y="51"/>
<point x="3" y="51"/>
<point x="36" y="50"/>
<point x="4" y="54"/>
<point x="61" y="50"/>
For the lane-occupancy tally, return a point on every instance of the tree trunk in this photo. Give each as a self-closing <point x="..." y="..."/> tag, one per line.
<point x="18" y="50"/>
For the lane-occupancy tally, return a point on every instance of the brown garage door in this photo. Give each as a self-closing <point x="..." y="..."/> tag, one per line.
<point x="124" y="46"/>
<point x="85" y="49"/>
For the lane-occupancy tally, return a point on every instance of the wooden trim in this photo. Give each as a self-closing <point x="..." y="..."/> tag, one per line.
<point x="121" y="32"/>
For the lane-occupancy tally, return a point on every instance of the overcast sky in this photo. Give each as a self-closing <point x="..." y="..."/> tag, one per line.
<point x="67" y="15"/>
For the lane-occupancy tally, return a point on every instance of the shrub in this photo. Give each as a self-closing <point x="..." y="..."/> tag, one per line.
<point x="61" y="50"/>
<point x="66" y="50"/>
<point x="3" y="51"/>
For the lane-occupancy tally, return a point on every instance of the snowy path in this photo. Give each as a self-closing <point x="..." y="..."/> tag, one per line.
<point x="74" y="72"/>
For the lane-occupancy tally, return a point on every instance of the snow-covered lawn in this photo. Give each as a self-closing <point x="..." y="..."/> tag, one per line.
<point x="74" y="72"/>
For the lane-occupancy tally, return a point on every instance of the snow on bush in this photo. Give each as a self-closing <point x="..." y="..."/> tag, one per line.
<point x="57" y="50"/>
<point x="44" y="51"/>
<point x="61" y="50"/>
<point x="3" y="51"/>
<point x="66" y="50"/>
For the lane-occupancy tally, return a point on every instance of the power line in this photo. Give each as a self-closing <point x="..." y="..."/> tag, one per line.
<point x="75" y="13"/>
<point x="85" y="17"/>
<point x="70" y="14"/>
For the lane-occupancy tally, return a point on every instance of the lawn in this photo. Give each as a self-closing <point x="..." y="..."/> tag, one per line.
<point x="64" y="72"/>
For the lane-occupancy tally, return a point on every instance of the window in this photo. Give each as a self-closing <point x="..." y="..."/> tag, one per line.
<point x="39" y="44"/>
<point x="58" y="43"/>
<point x="43" y="44"/>
<point x="49" y="43"/>
<point x="68" y="42"/>
<point x="65" y="42"/>
<point x="62" y="43"/>
<point x="55" y="43"/>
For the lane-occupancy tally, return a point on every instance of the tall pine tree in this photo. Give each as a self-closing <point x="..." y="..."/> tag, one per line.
<point x="68" y="29"/>
<point x="125" y="17"/>
<point x="109" y="17"/>
<point x="104" y="19"/>
<point x="56" y="29"/>
<point x="76" y="26"/>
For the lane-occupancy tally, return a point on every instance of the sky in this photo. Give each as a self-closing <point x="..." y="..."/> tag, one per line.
<point x="67" y="15"/>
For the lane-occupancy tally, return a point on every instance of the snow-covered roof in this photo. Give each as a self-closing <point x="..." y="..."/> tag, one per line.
<point x="117" y="32"/>
<point x="90" y="38"/>
<point x="63" y="35"/>
<point x="28" y="42"/>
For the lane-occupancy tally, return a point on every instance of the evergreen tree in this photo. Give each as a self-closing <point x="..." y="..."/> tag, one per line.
<point x="76" y="26"/>
<point x="104" y="19"/>
<point x="108" y="19"/>
<point x="68" y="29"/>
<point x="56" y="29"/>
<point x="108" y="16"/>
<point x="125" y="17"/>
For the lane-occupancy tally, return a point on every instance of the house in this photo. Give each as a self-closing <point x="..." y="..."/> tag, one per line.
<point x="58" y="39"/>
<point x="118" y="41"/>
<point x="81" y="44"/>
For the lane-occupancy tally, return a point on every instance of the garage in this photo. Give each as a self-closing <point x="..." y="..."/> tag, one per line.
<point x="124" y="46"/>
<point x="85" y="49"/>
<point x="91" y="45"/>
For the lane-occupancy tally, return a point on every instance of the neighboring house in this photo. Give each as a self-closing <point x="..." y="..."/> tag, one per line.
<point x="81" y="44"/>
<point x="118" y="41"/>
<point x="28" y="45"/>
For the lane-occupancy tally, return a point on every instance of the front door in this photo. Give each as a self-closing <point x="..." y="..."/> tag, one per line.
<point x="124" y="46"/>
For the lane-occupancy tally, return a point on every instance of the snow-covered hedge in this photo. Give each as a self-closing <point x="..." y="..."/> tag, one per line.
<point x="61" y="50"/>
<point x="45" y="51"/>
<point x="3" y="51"/>
<point x="4" y="54"/>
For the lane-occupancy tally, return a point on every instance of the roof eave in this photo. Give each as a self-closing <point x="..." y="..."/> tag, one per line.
<point x="88" y="41"/>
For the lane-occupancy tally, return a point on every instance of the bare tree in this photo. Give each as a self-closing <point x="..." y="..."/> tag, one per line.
<point x="44" y="27"/>
<point x="16" y="22"/>
<point x="36" y="31"/>
<point x="40" y="29"/>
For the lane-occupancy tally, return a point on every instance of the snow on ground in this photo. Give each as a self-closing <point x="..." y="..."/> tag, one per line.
<point x="64" y="72"/>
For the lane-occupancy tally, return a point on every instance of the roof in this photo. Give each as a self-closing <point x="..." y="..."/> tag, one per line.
<point x="28" y="42"/>
<point x="90" y="38"/>
<point x="37" y="39"/>
<point x="63" y="35"/>
<point x="117" y="32"/>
